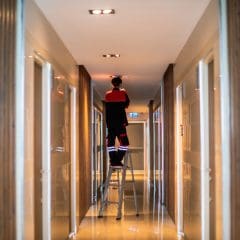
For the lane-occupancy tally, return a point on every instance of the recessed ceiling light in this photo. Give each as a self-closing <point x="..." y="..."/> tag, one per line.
<point x="101" y="11"/>
<point x="106" y="55"/>
<point x="113" y="76"/>
<point x="108" y="11"/>
<point x="111" y="55"/>
<point x="95" y="12"/>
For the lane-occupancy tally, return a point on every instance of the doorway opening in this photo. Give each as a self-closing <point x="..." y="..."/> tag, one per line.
<point x="136" y="135"/>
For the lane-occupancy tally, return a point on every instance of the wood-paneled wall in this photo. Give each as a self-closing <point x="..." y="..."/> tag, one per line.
<point x="10" y="33"/>
<point x="84" y="140"/>
<point x="105" y="155"/>
<point x="233" y="13"/>
<point x="169" y="171"/>
<point x="151" y="142"/>
<point x="97" y="101"/>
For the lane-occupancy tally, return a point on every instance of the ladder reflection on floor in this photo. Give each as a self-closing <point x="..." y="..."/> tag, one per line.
<point x="120" y="185"/>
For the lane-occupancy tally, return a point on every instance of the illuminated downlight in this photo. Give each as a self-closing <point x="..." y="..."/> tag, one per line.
<point x="111" y="55"/>
<point x="101" y="11"/>
<point x="108" y="11"/>
<point x="96" y="12"/>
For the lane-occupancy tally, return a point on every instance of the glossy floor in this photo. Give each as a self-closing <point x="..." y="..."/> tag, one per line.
<point x="153" y="222"/>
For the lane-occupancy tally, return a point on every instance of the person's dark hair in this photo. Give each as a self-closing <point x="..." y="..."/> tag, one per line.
<point x="116" y="82"/>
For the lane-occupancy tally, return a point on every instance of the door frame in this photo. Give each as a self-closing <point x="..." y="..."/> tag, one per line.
<point x="226" y="116"/>
<point x="73" y="151"/>
<point x="96" y="111"/>
<point x="19" y="134"/>
<point x="158" y="157"/>
<point x="155" y="136"/>
<point x="163" y="144"/>
<point x="179" y="157"/>
<point x="205" y="141"/>
<point x="46" y="146"/>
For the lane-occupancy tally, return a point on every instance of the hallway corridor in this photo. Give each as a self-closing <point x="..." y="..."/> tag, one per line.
<point x="153" y="222"/>
<point x="167" y="70"/>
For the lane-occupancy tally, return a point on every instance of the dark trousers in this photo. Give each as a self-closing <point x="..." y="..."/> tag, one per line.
<point x="116" y="155"/>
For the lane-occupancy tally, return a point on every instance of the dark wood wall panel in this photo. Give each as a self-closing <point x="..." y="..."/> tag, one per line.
<point x="233" y="8"/>
<point x="84" y="140"/>
<point x="157" y="100"/>
<point x="169" y="173"/>
<point x="97" y="101"/>
<point x="105" y="162"/>
<point x="7" y="118"/>
<point x="151" y="142"/>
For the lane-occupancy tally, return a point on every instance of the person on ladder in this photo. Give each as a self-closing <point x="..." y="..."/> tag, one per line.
<point x="117" y="101"/>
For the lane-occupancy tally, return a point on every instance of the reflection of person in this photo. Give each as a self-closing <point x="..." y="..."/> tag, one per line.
<point x="116" y="102"/>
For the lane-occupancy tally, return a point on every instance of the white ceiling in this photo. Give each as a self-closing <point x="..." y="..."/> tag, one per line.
<point x="148" y="34"/>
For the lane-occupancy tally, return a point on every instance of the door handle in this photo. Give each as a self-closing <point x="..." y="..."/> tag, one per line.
<point x="181" y="130"/>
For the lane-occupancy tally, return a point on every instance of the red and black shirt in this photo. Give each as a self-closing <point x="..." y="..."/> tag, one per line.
<point x="116" y="102"/>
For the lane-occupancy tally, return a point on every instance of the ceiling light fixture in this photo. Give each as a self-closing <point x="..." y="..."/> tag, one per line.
<point x="95" y="12"/>
<point x="106" y="55"/>
<point x="113" y="76"/>
<point x="101" y="11"/>
<point x="108" y="11"/>
<point x="111" y="55"/>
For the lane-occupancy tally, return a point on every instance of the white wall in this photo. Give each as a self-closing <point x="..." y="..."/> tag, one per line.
<point x="40" y="37"/>
<point x="43" y="38"/>
<point x="200" y="42"/>
<point x="203" y="40"/>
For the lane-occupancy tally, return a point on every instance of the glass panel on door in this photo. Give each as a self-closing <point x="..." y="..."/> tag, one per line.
<point x="97" y="167"/>
<point x="191" y="157"/>
<point x="156" y="134"/>
<point x="60" y="161"/>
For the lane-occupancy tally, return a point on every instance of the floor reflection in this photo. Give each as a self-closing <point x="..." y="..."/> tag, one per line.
<point x="153" y="222"/>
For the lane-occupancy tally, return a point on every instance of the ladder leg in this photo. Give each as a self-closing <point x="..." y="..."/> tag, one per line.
<point x="104" y="199"/>
<point x="118" y="182"/>
<point x="120" y="200"/>
<point x="134" y="186"/>
<point x="121" y="192"/>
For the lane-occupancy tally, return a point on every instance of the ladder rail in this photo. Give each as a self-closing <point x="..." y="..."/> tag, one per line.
<point x="134" y="186"/>
<point x="104" y="199"/>
<point x="119" y="214"/>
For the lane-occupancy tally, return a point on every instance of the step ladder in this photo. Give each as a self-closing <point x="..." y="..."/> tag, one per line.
<point x="120" y="185"/>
